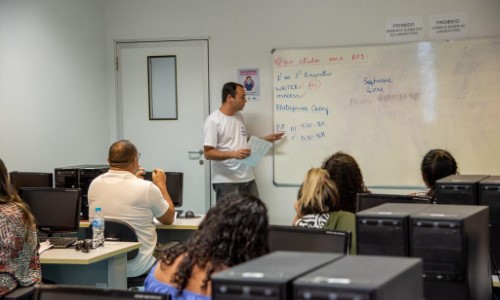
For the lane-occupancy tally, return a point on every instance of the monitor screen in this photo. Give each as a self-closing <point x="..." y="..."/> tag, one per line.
<point x="366" y="201"/>
<point x="293" y="238"/>
<point x="56" y="210"/>
<point x="54" y="292"/>
<point x="174" y="185"/>
<point x="30" y="179"/>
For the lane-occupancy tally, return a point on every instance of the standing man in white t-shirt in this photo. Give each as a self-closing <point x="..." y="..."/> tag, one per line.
<point x="226" y="144"/>
<point x="124" y="196"/>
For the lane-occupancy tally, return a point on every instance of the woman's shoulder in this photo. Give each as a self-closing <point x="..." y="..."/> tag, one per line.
<point x="342" y="214"/>
<point x="152" y="284"/>
<point x="11" y="211"/>
<point x="312" y="221"/>
<point x="340" y="220"/>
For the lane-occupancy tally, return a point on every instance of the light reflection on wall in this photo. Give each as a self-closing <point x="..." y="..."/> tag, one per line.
<point x="427" y="81"/>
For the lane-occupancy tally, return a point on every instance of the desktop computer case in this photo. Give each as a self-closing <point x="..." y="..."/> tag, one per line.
<point x="268" y="277"/>
<point x="363" y="277"/>
<point x="489" y="195"/>
<point x="453" y="242"/>
<point x="384" y="230"/>
<point x="79" y="176"/>
<point x="458" y="189"/>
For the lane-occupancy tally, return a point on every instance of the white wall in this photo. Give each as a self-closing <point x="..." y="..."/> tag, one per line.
<point x="242" y="35"/>
<point x="53" y="85"/>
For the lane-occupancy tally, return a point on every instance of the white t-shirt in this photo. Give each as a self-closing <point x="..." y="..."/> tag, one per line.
<point x="227" y="133"/>
<point x="121" y="195"/>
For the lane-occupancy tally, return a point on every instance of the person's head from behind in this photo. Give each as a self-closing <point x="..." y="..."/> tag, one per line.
<point x="318" y="194"/>
<point x="436" y="164"/>
<point x="8" y="194"/>
<point x="232" y="232"/>
<point x="123" y="155"/>
<point x="345" y="172"/>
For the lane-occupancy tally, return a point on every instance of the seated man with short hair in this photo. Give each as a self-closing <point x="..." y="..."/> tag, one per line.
<point x="122" y="195"/>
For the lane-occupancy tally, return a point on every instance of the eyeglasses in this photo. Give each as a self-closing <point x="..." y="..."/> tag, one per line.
<point x="83" y="245"/>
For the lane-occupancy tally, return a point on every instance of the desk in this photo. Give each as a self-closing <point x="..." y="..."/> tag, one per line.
<point x="180" y="230"/>
<point x="102" y="267"/>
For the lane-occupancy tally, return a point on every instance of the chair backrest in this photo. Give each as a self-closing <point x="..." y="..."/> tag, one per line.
<point x="119" y="230"/>
<point x="294" y="238"/>
<point x="60" y="292"/>
<point x="20" y="293"/>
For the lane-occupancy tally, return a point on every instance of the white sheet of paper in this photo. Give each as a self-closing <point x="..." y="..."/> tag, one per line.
<point x="259" y="148"/>
<point x="44" y="246"/>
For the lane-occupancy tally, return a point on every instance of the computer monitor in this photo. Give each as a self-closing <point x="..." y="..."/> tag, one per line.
<point x="294" y="238"/>
<point x="30" y="179"/>
<point x="56" y="210"/>
<point x="175" y="182"/>
<point x="59" y="292"/>
<point x="366" y="201"/>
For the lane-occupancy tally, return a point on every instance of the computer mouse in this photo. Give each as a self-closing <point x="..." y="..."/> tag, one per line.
<point x="189" y="214"/>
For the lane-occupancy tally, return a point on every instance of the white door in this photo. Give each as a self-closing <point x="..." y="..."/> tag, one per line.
<point x="173" y="145"/>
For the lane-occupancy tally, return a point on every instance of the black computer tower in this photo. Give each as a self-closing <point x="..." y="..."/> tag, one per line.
<point x="269" y="277"/>
<point x="489" y="195"/>
<point x="453" y="242"/>
<point x="79" y="176"/>
<point x="363" y="277"/>
<point x="384" y="229"/>
<point x="458" y="189"/>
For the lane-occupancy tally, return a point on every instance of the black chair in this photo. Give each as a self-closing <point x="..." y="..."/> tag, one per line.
<point x="20" y="293"/>
<point x="118" y="230"/>
<point x="64" y="292"/>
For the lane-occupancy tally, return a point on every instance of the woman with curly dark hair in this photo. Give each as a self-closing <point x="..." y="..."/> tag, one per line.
<point x="19" y="259"/>
<point x="345" y="172"/>
<point x="234" y="231"/>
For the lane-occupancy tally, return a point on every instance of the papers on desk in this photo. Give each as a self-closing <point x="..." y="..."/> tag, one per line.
<point x="259" y="148"/>
<point x="44" y="246"/>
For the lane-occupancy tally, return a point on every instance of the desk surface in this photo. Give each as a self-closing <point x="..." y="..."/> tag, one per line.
<point x="179" y="223"/>
<point x="73" y="257"/>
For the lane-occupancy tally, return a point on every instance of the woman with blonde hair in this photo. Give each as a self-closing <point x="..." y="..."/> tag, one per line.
<point x="317" y="205"/>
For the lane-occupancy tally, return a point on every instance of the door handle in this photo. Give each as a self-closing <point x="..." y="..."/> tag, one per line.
<point x="196" y="155"/>
<point x="199" y="152"/>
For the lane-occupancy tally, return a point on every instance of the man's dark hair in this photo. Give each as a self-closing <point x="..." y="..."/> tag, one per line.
<point x="229" y="89"/>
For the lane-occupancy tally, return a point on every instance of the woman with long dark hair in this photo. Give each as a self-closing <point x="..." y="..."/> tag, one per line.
<point x="19" y="259"/>
<point x="233" y="232"/>
<point x="345" y="172"/>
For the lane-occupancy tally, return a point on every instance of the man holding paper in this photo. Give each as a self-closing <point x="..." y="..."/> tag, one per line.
<point x="226" y="144"/>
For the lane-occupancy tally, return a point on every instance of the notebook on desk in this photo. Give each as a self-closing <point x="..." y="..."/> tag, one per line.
<point x="60" y="292"/>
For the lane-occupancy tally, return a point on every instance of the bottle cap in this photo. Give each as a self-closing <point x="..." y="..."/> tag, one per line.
<point x="97" y="209"/>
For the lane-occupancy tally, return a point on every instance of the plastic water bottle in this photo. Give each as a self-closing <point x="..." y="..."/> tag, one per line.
<point x="98" y="228"/>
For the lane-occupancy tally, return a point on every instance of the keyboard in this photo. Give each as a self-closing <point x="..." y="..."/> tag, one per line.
<point x="59" y="242"/>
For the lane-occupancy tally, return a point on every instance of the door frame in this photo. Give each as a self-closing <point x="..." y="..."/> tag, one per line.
<point x="119" y="97"/>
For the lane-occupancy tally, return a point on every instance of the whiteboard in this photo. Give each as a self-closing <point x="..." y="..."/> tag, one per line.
<point x="387" y="105"/>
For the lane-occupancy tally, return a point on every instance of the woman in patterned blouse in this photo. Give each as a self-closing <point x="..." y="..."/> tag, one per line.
<point x="19" y="260"/>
